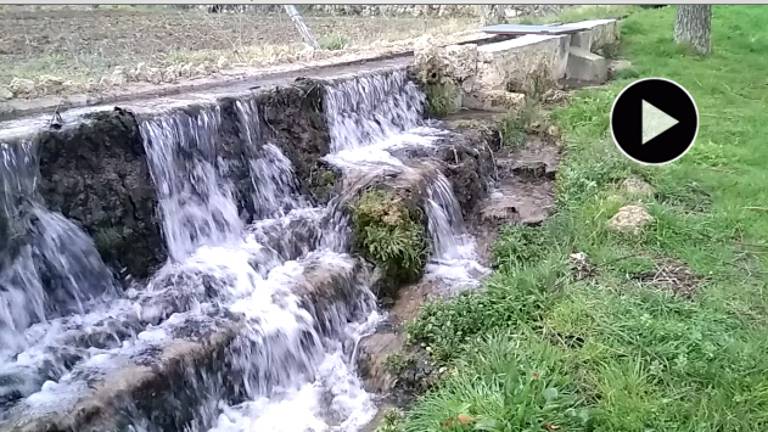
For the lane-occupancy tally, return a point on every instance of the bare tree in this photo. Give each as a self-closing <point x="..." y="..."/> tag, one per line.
<point x="693" y="27"/>
<point x="491" y="14"/>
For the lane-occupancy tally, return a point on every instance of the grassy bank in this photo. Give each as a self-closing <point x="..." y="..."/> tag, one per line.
<point x="663" y="331"/>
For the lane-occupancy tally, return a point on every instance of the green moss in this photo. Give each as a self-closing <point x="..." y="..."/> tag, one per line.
<point x="390" y="234"/>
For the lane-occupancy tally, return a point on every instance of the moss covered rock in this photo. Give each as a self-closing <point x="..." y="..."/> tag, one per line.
<point x="390" y="232"/>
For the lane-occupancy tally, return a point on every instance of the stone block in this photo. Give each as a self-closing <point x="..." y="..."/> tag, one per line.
<point x="586" y="67"/>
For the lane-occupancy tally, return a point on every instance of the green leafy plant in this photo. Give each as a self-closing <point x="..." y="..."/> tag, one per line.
<point x="390" y="234"/>
<point x="441" y="98"/>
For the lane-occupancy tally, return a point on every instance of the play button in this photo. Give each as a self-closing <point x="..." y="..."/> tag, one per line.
<point x="654" y="121"/>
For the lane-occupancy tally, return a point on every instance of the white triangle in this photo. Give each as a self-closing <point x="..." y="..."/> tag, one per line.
<point x="655" y="121"/>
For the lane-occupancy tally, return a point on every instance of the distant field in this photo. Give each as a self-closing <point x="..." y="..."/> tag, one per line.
<point x="65" y="50"/>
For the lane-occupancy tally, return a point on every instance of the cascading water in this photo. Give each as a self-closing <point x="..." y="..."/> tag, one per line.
<point x="197" y="206"/>
<point x="290" y="356"/>
<point x="373" y="118"/>
<point x="277" y="278"/>
<point x="48" y="267"/>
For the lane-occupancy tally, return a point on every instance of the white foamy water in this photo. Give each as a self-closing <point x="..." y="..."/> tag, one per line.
<point x="48" y="266"/>
<point x="372" y="120"/>
<point x="288" y="356"/>
<point x="454" y="258"/>
<point x="196" y="204"/>
<point x="252" y="261"/>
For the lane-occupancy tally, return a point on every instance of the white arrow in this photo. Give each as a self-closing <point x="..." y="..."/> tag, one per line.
<point x="655" y="121"/>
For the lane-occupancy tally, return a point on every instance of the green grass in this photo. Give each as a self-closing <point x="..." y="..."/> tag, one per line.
<point x="539" y="350"/>
<point x="333" y="42"/>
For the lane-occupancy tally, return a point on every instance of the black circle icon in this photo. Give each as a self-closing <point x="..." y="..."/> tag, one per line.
<point x="654" y="121"/>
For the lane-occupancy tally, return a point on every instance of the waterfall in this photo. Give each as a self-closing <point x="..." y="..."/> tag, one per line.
<point x="261" y="270"/>
<point x="372" y="118"/>
<point x="48" y="265"/>
<point x="196" y="204"/>
<point x="254" y="266"/>
<point x="454" y="258"/>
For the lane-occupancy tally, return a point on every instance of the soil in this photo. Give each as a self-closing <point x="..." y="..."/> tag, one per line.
<point x="85" y="43"/>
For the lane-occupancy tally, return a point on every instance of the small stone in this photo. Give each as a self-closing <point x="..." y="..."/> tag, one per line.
<point x="636" y="187"/>
<point x="581" y="266"/>
<point x="22" y="86"/>
<point x="5" y="93"/>
<point x="186" y="70"/>
<point x="554" y="96"/>
<point x="617" y="66"/>
<point x="553" y="131"/>
<point x="50" y="80"/>
<point x="630" y="219"/>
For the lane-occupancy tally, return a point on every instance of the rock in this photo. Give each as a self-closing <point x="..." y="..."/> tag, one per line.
<point x="554" y="96"/>
<point x="22" y="86"/>
<point x="617" y="66"/>
<point x="5" y="93"/>
<point x="630" y="219"/>
<point x="581" y="266"/>
<point x="494" y="100"/>
<point x="96" y="174"/>
<point x="372" y="360"/>
<point x="637" y="188"/>
<point x="185" y="70"/>
<point x="154" y="75"/>
<point x="460" y="61"/>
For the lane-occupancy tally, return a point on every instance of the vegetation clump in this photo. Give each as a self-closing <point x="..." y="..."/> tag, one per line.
<point x="390" y="233"/>
<point x="441" y="98"/>
<point x="333" y="42"/>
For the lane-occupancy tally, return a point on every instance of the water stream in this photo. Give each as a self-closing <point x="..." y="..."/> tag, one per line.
<point x="282" y="275"/>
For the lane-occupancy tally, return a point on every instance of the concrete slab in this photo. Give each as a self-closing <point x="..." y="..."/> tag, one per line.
<point x="586" y="67"/>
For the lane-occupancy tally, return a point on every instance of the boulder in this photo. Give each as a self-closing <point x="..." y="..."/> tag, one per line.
<point x="5" y="93"/>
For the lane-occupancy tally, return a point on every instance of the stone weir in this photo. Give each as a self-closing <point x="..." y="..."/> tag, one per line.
<point x="211" y="262"/>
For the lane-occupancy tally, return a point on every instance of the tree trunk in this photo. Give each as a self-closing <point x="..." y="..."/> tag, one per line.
<point x="491" y="14"/>
<point x="298" y="21"/>
<point x="693" y="27"/>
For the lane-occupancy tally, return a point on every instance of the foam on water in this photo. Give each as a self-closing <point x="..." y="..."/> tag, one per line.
<point x="278" y="277"/>
<point x="48" y="266"/>
<point x="371" y="119"/>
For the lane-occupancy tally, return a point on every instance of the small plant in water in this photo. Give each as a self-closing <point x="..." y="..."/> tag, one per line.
<point x="389" y="234"/>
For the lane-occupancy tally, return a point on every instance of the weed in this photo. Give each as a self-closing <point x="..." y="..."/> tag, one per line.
<point x="391" y="422"/>
<point x="440" y="98"/>
<point x="397" y="363"/>
<point x="333" y="42"/>
<point x="516" y="124"/>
